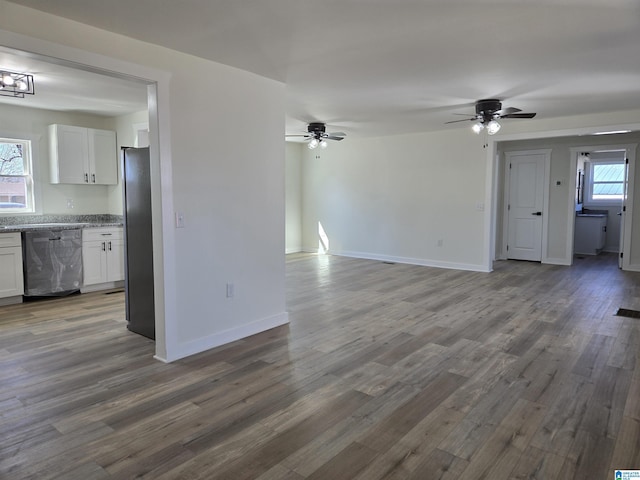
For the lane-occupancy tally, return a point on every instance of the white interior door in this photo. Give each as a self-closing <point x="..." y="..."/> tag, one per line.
<point x="525" y="205"/>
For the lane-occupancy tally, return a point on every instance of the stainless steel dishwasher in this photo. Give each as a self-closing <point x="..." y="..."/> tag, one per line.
<point x="52" y="262"/>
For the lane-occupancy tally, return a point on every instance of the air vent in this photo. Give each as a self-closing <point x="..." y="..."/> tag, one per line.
<point x="624" y="312"/>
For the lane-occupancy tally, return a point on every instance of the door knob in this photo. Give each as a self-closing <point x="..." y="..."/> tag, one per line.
<point x="537" y="213"/>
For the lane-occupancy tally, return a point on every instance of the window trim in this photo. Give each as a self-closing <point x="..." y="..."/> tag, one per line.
<point x="28" y="147"/>
<point x="588" y="198"/>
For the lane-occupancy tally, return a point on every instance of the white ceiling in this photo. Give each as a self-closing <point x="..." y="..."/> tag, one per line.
<point x="59" y="87"/>
<point x="370" y="67"/>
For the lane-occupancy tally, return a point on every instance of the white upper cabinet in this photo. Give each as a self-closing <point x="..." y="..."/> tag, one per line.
<point x="68" y="153"/>
<point x="103" y="157"/>
<point x="83" y="155"/>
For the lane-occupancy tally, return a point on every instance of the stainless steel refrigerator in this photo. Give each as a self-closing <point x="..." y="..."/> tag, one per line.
<point x="138" y="244"/>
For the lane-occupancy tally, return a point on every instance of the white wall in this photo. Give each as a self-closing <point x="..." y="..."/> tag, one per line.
<point x="395" y="198"/>
<point x="293" y="197"/>
<point x="52" y="198"/>
<point x="230" y="190"/>
<point x="125" y="135"/>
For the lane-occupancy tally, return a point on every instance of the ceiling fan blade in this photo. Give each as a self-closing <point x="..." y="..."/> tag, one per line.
<point x="338" y="134"/>
<point x="297" y="135"/>
<point x="331" y="137"/>
<point x="519" y="115"/>
<point x="465" y="120"/>
<point x="507" y="111"/>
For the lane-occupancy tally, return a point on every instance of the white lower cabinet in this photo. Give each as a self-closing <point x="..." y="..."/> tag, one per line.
<point x="102" y="257"/>
<point x="590" y="234"/>
<point x="11" y="279"/>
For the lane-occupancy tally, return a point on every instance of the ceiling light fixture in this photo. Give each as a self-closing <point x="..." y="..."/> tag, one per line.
<point x="14" y="84"/>
<point x="493" y="127"/>
<point x="317" y="142"/>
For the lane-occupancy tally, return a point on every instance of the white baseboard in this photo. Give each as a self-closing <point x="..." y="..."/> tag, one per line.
<point x="557" y="261"/>
<point x="414" y="261"/>
<point x="11" y="300"/>
<point x="102" y="286"/>
<point x="221" y="338"/>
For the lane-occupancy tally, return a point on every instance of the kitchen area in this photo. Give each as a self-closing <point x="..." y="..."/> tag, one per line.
<point x="69" y="237"/>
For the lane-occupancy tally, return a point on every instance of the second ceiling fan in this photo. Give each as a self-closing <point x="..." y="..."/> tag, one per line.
<point x="317" y="135"/>
<point x="488" y="112"/>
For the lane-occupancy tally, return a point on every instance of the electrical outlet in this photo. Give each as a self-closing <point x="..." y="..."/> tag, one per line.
<point x="70" y="203"/>
<point x="230" y="290"/>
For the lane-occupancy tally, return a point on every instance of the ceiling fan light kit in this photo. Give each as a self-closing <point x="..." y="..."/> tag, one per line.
<point x="317" y="136"/>
<point x="488" y="112"/>
<point x="493" y="127"/>
<point x="315" y="143"/>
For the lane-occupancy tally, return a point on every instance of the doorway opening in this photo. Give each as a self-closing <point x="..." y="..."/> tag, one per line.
<point x="602" y="206"/>
<point x="112" y="81"/>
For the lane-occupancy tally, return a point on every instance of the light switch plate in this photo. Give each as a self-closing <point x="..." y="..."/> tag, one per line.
<point x="179" y="220"/>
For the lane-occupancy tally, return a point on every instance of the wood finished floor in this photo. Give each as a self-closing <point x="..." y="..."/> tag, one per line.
<point x="385" y="372"/>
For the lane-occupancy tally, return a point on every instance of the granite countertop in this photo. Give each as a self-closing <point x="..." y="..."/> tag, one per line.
<point x="29" y="227"/>
<point x="28" y="223"/>
<point x="591" y="212"/>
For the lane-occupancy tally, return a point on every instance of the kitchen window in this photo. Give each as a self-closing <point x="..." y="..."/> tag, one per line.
<point x="605" y="182"/>
<point x="16" y="179"/>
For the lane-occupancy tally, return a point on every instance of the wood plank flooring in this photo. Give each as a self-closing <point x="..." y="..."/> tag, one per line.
<point x="386" y="371"/>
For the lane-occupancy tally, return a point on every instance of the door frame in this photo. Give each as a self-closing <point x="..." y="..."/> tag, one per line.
<point x="625" y="241"/>
<point x="508" y="154"/>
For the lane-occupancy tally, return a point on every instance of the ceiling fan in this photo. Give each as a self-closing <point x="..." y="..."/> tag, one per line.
<point x="488" y="112"/>
<point x="317" y="135"/>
